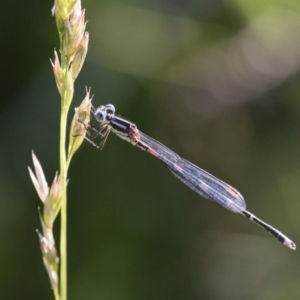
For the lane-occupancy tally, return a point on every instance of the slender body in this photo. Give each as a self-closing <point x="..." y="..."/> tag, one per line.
<point x="200" y="181"/>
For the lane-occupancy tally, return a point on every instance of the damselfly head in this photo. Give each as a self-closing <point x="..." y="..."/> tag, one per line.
<point x="104" y="113"/>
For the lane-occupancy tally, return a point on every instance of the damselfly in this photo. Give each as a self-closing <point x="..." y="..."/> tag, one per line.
<point x="200" y="181"/>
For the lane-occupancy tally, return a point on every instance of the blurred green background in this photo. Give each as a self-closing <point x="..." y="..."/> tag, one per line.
<point x="215" y="81"/>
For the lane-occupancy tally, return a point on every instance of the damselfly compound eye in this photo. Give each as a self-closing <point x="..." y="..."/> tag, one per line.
<point x="110" y="109"/>
<point x="100" y="115"/>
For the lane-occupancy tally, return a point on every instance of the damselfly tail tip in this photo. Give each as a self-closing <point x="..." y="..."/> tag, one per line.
<point x="275" y="232"/>
<point x="290" y="244"/>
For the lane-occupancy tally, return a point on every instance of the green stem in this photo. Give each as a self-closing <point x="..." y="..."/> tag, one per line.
<point x="66" y="98"/>
<point x="63" y="227"/>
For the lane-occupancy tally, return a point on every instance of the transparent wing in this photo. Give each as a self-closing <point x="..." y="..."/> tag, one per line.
<point x="200" y="181"/>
